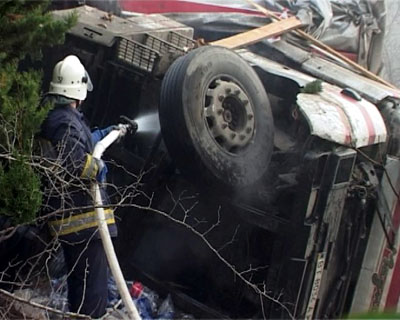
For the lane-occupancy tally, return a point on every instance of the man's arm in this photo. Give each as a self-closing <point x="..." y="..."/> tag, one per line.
<point x="73" y="154"/>
<point x="98" y="134"/>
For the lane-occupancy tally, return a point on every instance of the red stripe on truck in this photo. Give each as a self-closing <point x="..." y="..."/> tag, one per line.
<point x="164" y="6"/>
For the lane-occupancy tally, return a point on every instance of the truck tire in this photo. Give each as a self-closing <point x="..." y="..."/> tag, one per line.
<point x="215" y="117"/>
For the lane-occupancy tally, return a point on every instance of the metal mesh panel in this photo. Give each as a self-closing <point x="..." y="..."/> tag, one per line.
<point x="136" y="54"/>
<point x="160" y="45"/>
<point x="180" y="40"/>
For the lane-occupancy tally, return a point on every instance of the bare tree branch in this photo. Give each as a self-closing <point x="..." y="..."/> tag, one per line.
<point x="40" y="306"/>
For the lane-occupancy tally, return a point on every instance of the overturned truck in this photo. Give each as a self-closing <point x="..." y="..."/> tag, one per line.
<point x="263" y="181"/>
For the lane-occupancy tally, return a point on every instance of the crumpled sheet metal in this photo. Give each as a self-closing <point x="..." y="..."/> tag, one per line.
<point x="336" y="117"/>
<point x="275" y="68"/>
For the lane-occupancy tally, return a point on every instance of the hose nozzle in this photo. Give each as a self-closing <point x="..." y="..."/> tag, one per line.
<point x="133" y="128"/>
<point x="132" y="125"/>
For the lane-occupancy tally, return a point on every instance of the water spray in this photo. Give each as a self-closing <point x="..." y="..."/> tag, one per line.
<point x="148" y="123"/>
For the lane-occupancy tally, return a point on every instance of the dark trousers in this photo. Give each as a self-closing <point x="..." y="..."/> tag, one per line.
<point x="87" y="279"/>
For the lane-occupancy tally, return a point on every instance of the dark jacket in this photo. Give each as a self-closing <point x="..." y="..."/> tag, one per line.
<point x="68" y="191"/>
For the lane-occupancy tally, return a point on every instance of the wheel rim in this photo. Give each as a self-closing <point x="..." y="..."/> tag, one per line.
<point x="229" y="115"/>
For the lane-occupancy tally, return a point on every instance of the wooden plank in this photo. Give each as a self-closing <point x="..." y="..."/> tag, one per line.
<point x="255" y="35"/>
<point x="323" y="46"/>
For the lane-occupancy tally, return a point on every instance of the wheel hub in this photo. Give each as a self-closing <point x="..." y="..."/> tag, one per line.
<point x="229" y="115"/>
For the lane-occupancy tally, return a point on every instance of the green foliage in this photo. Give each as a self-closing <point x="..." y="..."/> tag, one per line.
<point x="25" y="28"/>
<point x="20" y="117"/>
<point x="312" y="87"/>
<point x="20" y="194"/>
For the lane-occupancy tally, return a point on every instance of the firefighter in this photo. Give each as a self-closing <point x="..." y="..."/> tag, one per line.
<point x="68" y="193"/>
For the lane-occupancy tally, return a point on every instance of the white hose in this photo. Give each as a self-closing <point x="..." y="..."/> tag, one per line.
<point x="100" y="147"/>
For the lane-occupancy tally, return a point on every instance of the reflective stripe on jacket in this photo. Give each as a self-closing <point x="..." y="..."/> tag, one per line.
<point x="78" y="222"/>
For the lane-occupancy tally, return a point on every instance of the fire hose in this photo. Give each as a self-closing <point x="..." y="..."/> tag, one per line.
<point x="100" y="147"/>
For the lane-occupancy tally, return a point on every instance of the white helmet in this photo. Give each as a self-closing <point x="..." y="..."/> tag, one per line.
<point x="70" y="79"/>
